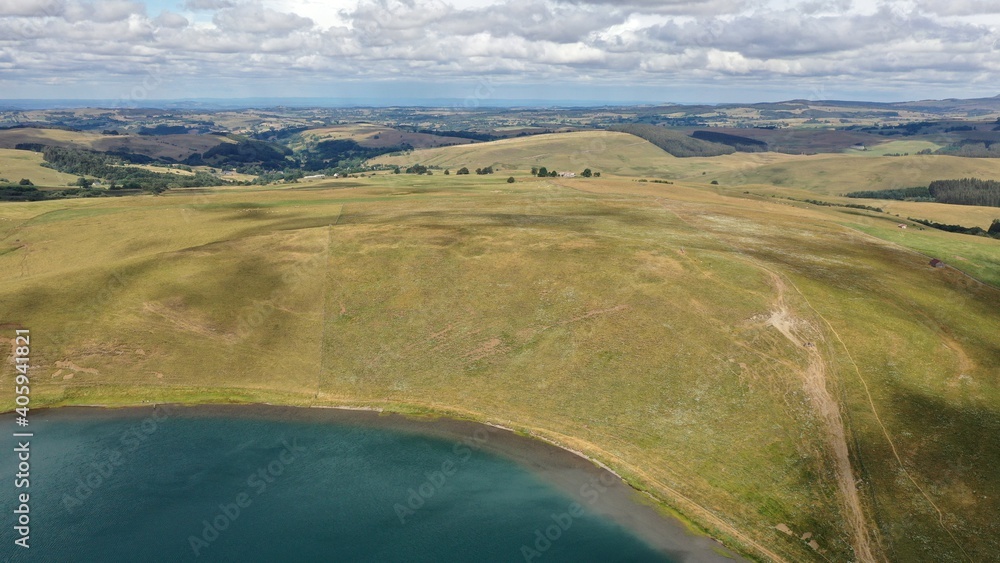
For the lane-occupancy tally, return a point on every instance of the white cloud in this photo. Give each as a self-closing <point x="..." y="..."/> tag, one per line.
<point x="633" y="42"/>
<point x="959" y="7"/>
<point x="31" y="9"/>
<point x="254" y="18"/>
<point x="103" y="11"/>
<point x="170" y="20"/>
<point x="208" y="4"/>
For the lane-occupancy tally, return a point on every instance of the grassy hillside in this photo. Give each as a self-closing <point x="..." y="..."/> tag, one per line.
<point x="378" y="136"/>
<point x="675" y="142"/>
<point x="17" y="164"/>
<point x="177" y="147"/>
<point x="839" y="174"/>
<point x="742" y="359"/>
<point x="898" y="147"/>
<point x="605" y="151"/>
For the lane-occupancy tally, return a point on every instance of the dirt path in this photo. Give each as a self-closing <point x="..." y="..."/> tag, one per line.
<point x="814" y="383"/>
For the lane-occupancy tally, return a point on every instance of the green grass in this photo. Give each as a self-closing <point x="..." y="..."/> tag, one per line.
<point x="897" y="147"/>
<point x="18" y="164"/>
<point x="977" y="256"/>
<point x="626" y="320"/>
<point x="841" y="174"/>
<point x="615" y="153"/>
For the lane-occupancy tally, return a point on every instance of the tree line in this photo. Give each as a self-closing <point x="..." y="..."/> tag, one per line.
<point x="741" y="144"/>
<point x="965" y="191"/>
<point x="897" y="194"/>
<point x="117" y="173"/>
<point x="674" y="142"/>
<point x="341" y="153"/>
<point x="993" y="231"/>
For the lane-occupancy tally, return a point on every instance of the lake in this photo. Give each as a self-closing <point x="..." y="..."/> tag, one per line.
<point x="281" y="484"/>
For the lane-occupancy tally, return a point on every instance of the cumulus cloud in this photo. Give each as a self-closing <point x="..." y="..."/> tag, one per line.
<point x="623" y="42"/>
<point x="197" y="5"/>
<point x="170" y="20"/>
<point x="674" y="7"/>
<point x="103" y="11"/>
<point x="959" y="7"/>
<point x="254" y="18"/>
<point x="31" y="9"/>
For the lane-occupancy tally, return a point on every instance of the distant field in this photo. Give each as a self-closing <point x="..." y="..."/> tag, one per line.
<point x="802" y="140"/>
<point x="898" y="211"/>
<point x="897" y="147"/>
<point x="16" y="164"/>
<point x="177" y="147"/>
<point x="162" y="169"/>
<point x="604" y="151"/>
<point x="57" y="137"/>
<point x="840" y="174"/>
<point x="965" y="215"/>
<point x="373" y="135"/>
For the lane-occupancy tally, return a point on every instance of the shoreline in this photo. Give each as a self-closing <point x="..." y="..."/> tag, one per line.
<point x="587" y="481"/>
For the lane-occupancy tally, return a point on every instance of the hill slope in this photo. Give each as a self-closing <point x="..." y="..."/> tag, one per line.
<point x="605" y="151"/>
<point x="794" y="385"/>
<point x="17" y="164"/>
<point x="675" y="142"/>
<point x="176" y="147"/>
<point x="840" y="174"/>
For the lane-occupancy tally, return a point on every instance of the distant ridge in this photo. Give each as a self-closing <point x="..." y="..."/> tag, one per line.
<point x="947" y="104"/>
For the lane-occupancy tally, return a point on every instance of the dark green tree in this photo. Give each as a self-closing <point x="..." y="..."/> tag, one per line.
<point x="543" y="172"/>
<point x="25" y="182"/>
<point x="510" y="180"/>
<point x="462" y="170"/>
<point x="995" y="227"/>
<point x="587" y="173"/>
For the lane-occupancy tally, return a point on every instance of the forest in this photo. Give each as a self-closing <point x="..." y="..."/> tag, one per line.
<point x="117" y="173"/>
<point x="340" y="153"/>
<point x="965" y="191"/>
<point x="898" y="194"/>
<point x="993" y="231"/>
<point x="741" y="144"/>
<point x="674" y="142"/>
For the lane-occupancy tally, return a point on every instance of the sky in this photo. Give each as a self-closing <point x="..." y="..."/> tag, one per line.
<point x="682" y="51"/>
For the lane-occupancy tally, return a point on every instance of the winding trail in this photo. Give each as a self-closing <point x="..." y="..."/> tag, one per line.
<point x="814" y="383"/>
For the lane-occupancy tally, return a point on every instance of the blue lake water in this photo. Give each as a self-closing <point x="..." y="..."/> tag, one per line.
<point x="184" y="484"/>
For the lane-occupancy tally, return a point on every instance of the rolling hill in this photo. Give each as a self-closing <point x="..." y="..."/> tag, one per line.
<point x="795" y="380"/>
<point x="175" y="147"/>
<point x="840" y="174"/>
<point x="17" y="164"/>
<point x="605" y="151"/>
<point x="378" y="136"/>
